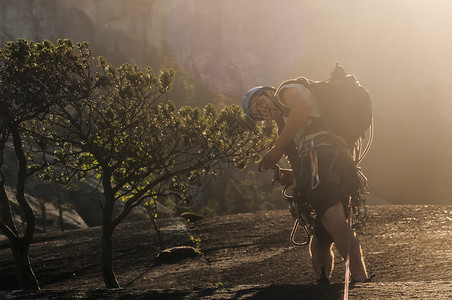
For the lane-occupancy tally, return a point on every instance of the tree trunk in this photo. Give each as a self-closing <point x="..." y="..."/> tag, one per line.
<point x="42" y="204"/>
<point x="20" y="187"/>
<point x="20" y="246"/>
<point x="6" y="215"/>
<point x="60" y="217"/>
<point x="60" y="211"/>
<point x="152" y="217"/>
<point x="108" y="273"/>
<point x="23" y="266"/>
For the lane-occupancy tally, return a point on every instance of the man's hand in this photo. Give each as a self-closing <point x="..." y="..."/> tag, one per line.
<point x="270" y="159"/>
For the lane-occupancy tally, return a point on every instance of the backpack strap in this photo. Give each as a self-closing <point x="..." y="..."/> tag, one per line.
<point x="291" y="151"/>
<point x="316" y="125"/>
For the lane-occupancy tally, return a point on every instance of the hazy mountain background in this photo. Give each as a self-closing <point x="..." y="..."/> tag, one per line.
<point x="398" y="49"/>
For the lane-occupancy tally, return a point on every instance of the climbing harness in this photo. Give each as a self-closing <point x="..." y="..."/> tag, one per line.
<point x="301" y="210"/>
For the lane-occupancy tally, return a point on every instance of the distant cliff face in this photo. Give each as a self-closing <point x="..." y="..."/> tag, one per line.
<point x="236" y="44"/>
<point x="117" y="29"/>
<point x="223" y="44"/>
<point x="400" y="51"/>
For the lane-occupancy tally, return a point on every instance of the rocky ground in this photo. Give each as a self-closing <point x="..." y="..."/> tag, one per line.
<point x="245" y="256"/>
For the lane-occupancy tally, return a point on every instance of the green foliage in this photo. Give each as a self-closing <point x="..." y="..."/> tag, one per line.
<point x="115" y="125"/>
<point x="197" y="243"/>
<point x="106" y="120"/>
<point x="34" y="77"/>
<point x="252" y="193"/>
<point x="211" y="209"/>
<point x="119" y="129"/>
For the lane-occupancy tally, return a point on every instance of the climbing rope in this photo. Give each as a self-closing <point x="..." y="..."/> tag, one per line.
<point x="347" y="261"/>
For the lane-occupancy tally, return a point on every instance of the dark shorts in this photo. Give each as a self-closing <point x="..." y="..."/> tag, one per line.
<point x="329" y="191"/>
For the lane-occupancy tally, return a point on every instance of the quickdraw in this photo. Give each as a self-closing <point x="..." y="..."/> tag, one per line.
<point x="304" y="216"/>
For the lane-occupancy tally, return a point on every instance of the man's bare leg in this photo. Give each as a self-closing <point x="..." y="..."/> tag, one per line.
<point x="321" y="256"/>
<point x="345" y="239"/>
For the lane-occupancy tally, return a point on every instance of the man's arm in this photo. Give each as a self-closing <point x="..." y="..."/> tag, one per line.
<point x="300" y="107"/>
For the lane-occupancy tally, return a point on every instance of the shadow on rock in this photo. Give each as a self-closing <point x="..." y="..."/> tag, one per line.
<point x="334" y="291"/>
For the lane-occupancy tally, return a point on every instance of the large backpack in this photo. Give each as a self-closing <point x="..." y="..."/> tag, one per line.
<point x="344" y="104"/>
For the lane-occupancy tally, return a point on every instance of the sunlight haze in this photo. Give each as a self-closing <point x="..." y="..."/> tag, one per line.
<point x="400" y="50"/>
